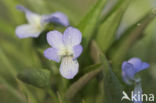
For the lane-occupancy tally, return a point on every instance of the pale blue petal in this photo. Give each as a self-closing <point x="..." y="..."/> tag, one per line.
<point x="128" y="72"/>
<point x="126" y="79"/>
<point x="32" y="18"/>
<point x="136" y="62"/>
<point x="77" y="51"/>
<point x="57" y="18"/>
<point x="130" y="68"/>
<point x="69" y="67"/>
<point x="124" y="65"/>
<point x="144" y="65"/>
<point x="22" y="8"/>
<point x="51" y="54"/>
<point x="54" y="38"/>
<point x="72" y="37"/>
<point x="24" y="31"/>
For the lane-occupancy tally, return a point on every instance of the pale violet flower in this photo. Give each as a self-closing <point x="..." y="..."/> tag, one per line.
<point x="131" y="67"/>
<point x="36" y="22"/>
<point x="65" y="48"/>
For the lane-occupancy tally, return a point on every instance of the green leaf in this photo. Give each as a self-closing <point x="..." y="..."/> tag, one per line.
<point x="112" y="86"/>
<point x="37" y="77"/>
<point x="121" y="47"/>
<point x="89" y="22"/>
<point x="115" y="7"/>
<point x="106" y="32"/>
<point x="92" y="67"/>
<point x="79" y="84"/>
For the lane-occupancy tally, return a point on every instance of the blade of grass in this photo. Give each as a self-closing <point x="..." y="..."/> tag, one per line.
<point x="112" y="87"/>
<point x="78" y="85"/>
<point x="89" y="22"/>
<point x="106" y="32"/>
<point x="111" y="11"/>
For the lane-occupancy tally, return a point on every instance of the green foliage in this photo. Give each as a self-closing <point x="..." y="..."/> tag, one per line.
<point x="90" y="21"/>
<point x="78" y="85"/>
<point x="112" y="87"/>
<point x="131" y="35"/>
<point x="111" y="84"/>
<point x="106" y="32"/>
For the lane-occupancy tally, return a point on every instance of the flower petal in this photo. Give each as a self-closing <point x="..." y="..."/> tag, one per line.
<point x="32" y="18"/>
<point x="69" y="67"/>
<point x="128" y="72"/>
<point x="51" y="54"/>
<point x="54" y="38"/>
<point x="22" y="8"/>
<point x="136" y="62"/>
<point x="144" y="65"/>
<point x="126" y="79"/>
<point x="77" y="51"/>
<point x="24" y="31"/>
<point x="57" y="17"/>
<point x="72" y="36"/>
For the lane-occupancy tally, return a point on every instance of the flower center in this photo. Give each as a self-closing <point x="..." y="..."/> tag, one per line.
<point x="66" y="51"/>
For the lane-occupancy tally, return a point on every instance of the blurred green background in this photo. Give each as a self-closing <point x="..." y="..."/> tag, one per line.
<point x="18" y="54"/>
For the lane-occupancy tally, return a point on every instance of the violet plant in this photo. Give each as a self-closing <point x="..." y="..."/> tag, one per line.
<point x="37" y="23"/>
<point x="65" y="48"/>
<point x="80" y="53"/>
<point x="129" y="69"/>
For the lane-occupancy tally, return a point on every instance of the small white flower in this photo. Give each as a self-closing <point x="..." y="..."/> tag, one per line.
<point x="36" y="23"/>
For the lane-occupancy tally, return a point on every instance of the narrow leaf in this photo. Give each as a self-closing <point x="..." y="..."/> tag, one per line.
<point x="121" y="47"/>
<point x="115" y="7"/>
<point x="112" y="86"/>
<point x="106" y="32"/>
<point x="89" y="22"/>
<point x="78" y="85"/>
